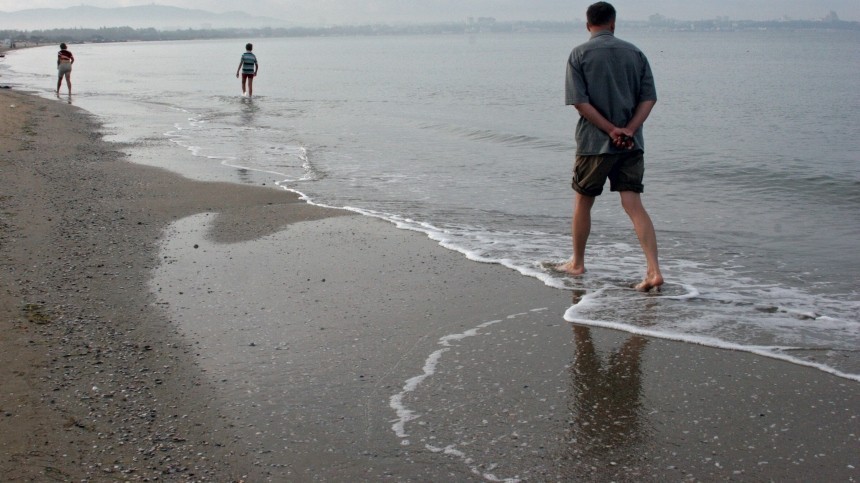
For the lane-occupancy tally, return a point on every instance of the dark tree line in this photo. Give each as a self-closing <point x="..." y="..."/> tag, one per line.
<point x="125" y="34"/>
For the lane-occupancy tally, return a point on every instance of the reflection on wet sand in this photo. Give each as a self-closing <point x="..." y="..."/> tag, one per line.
<point x="249" y="152"/>
<point x="605" y="421"/>
<point x="607" y="398"/>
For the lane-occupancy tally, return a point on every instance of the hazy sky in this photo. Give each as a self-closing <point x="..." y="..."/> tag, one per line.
<point x="414" y="11"/>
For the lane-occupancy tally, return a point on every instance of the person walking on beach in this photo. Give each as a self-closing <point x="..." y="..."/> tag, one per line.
<point x="610" y="84"/>
<point x="65" y="59"/>
<point x="248" y="66"/>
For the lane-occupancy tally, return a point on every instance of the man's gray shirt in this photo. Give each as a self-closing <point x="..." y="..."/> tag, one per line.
<point x="613" y="76"/>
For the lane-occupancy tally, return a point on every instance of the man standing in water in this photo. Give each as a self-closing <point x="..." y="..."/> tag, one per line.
<point x="248" y="66"/>
<point x="610" y="84"/>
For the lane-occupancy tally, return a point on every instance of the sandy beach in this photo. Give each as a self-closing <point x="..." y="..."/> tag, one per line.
<point x="158" y="328"/>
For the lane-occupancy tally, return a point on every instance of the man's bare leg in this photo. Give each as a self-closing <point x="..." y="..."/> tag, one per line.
<point x="632" y="203"/>
<point x="580" y="229"/>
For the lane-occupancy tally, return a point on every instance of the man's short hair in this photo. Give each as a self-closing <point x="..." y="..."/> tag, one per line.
<point x="600" y="13"/>
<point x="249" y="47"/>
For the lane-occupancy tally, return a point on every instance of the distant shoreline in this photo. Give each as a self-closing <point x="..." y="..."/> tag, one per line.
<point x="481" y="26"/>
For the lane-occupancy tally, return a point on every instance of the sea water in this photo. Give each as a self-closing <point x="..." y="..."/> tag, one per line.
<point x="752" y="156"/>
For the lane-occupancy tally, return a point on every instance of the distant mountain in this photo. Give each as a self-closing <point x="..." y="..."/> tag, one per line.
<point x="144" y="16"/>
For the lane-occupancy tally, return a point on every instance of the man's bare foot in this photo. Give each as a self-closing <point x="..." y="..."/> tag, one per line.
<point x="570" y="269"/>
<point x="651" y="281"/>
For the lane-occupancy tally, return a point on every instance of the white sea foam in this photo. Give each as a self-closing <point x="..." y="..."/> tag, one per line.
<point x="592" y="301"/>
<point x="406" y="415"/>
<point x="735" y="309"/>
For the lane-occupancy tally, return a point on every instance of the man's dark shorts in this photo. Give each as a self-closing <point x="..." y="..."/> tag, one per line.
<point x="624" y="170"/>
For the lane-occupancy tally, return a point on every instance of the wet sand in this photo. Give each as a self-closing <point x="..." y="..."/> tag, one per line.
<point x="153" y="326"/>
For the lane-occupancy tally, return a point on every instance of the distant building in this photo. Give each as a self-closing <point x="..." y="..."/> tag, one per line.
<point x="831" y="17"/>
<point x="7" y="44"/>
<point x="480" y="24"/>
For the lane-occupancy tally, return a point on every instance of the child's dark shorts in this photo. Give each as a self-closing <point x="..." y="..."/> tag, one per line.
<point x="624" y="170"/>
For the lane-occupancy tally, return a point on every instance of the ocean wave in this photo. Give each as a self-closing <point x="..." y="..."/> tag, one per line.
<point x="506" y="139"/>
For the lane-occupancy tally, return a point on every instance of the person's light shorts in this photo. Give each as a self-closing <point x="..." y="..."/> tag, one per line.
<point x="63" y="68"/>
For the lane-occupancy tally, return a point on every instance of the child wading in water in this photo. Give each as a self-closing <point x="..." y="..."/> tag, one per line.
<point x="248" y="66"/>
